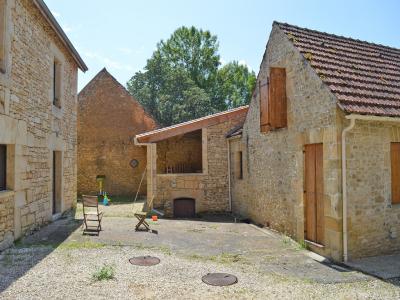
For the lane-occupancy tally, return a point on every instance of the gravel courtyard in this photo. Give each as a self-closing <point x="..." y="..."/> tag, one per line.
<point x="58" y="262"/>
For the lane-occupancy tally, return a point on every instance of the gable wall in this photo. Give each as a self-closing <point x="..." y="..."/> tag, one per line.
<point x="108" y="120"/>
<point x="271" y="192"/>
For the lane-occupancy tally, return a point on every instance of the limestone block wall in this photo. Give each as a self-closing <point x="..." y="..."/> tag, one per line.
<point x="209" y="189"/>
<point x="108" y="120"/>
<point x="30" y="126"/>
<point x="374" y="223"/>
<point x="6" y="220"/>
<point x="183" y="153"/>
<point x="271" y="192"/>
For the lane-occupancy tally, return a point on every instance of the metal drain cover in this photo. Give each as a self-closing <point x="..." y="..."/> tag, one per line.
<point x="219" y="279"/>
<point x="145" y="261"/>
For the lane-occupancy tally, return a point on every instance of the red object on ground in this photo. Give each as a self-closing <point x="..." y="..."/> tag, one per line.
<point x="154" y="218"/>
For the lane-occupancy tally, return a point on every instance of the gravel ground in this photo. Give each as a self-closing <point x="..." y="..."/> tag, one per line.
<point x="66" y="274"/>
<point x="269" y="268"/>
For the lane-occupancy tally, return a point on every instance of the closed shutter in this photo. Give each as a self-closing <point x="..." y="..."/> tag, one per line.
<point x="263" y="88"/>
<point x="314" y="193"/>
<point x="3" y="167"/>
<point x="395" y="168"/>
<point x="277" y="98"/>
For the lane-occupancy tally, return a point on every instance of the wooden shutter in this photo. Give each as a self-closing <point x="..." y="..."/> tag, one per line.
<point x="3" y="167"/>
<point x="314" y="193"/>
<point x="264" y="115"/>
<point x="277" y="98"/>
<point x="395" y="168"/>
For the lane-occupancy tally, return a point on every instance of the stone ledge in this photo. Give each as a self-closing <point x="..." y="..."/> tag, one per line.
<point x="6" y="194"/>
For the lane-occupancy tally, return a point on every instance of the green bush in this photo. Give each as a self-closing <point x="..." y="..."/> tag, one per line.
<point x="106" y="272"/>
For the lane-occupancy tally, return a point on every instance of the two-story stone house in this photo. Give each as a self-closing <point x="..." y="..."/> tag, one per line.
<point x="318" y="157"/>
<point x="38" y="100"/>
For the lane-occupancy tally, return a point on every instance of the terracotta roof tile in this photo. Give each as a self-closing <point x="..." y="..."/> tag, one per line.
<point x="365" y="77"/>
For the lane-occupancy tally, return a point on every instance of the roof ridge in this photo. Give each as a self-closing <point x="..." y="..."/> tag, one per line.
<point x="337" y="36"/>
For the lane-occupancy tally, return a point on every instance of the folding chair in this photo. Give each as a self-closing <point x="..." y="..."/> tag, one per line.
<point x="141" y="216"/>
<point x="93" y="215"/>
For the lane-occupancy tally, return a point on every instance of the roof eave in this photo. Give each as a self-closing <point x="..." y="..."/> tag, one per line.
<point x="45" y="11"/>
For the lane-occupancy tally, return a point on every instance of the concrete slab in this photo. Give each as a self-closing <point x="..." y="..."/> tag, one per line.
<point x="384" y="267"/>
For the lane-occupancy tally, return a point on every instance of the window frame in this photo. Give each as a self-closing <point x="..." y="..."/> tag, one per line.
<point x="57" y="83"/>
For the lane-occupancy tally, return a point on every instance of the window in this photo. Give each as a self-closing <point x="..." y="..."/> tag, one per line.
<point x="395" y="170"/>
<point x="239" y="165"/>
<point x="3" y="167"/>
<point x="57" y="83"/>
<point x="273" y="108"/>
<point x="2" y="36"/>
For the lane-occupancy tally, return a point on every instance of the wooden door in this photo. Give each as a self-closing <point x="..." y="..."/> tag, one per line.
<point x="184" y="208"/>
<point x="314" y="193"/>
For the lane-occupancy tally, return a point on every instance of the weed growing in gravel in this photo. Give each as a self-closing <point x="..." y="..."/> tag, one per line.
<point x="301" y="245"/>
<point x="223" y="258"/>
<point x="81" y="245"/>
<point x="286" y="240"/>
<point x="106" y="272"/>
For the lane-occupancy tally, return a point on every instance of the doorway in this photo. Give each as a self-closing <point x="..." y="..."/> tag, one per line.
<point x="57" y="177"/>
<point x="314" y="194"/>
<point x="184" y="208"/>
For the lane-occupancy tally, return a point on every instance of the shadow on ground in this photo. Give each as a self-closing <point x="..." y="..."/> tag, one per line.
<point x="29" y="251"/>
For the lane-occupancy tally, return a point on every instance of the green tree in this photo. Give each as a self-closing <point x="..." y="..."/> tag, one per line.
<point x="234" y="85"/>
<point x="182" y="79"/>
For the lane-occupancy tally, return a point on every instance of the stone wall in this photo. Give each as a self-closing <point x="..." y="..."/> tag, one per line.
<point x="30" y="126"/>
<point x="108" y="120"/>
<point x="374" y="223"/>
<point x="6" y="220"/>
<point x="271" y="192"/>
<point x="209" y="189"/>
<point x="182" y="154"/>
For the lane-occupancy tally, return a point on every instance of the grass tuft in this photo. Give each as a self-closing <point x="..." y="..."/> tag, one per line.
<point x="106" y="272"/>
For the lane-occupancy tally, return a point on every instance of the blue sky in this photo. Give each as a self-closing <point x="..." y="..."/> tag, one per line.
<point x="122" y="34"/>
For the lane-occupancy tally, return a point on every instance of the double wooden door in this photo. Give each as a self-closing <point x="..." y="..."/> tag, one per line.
<point x="314" y="193"/>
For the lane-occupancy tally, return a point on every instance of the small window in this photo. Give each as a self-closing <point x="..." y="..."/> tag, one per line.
<point x="57" y="83"/>
<point x="273" y="108"/>
<point x="395" y="170"/>
<point x="2" y="35"/>
<point x="239" y="165"/>
<point x="3" y="167"/>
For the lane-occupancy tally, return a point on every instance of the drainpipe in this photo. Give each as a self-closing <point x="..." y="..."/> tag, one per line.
<point x="344" y="187"/>
<point x="229" y="175"/>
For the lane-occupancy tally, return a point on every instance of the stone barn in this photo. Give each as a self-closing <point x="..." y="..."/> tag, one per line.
<point x="318" y="157"/>
<point x="108" y="120"/>
<point x="38" y="96"/>
<point x="187" y="164"/>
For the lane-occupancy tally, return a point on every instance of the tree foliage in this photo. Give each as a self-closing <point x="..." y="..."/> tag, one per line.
<point x="183" y="79"/>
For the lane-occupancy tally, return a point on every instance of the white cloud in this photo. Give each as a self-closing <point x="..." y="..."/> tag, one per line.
<point x="55" y="14"/>
<point x="66" y="28"/>
<point x="108" y="62"/>
<point x="125" y="50"/>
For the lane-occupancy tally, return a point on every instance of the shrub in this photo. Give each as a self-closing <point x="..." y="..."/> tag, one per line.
<point x="106" y="272"/>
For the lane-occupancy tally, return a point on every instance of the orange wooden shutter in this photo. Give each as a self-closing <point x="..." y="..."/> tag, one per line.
<point x="314" y="193"/>
<point x="264" y="118"/>
<point x="395" y="166"/>
<point x="277" y="98"/>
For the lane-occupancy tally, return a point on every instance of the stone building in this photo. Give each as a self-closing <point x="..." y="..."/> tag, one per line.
<point x="38" y="96"/>
<point x="318" y="156"/>
<point x="187" y="164"/>
<point x="108" y="120"/>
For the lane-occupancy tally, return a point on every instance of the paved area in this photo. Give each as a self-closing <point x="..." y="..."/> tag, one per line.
<point x="58" y="262"/>
<point x="385" y="266"/>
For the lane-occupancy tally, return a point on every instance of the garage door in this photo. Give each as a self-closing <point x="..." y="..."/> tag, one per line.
<point x="184" y="208"/>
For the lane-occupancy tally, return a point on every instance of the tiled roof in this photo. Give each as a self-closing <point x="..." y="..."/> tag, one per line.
<point x="365" y="77"/>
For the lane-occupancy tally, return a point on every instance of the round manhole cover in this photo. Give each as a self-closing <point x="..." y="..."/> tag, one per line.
<point x="219" y="279"/>
<point x="144" y="261"/>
